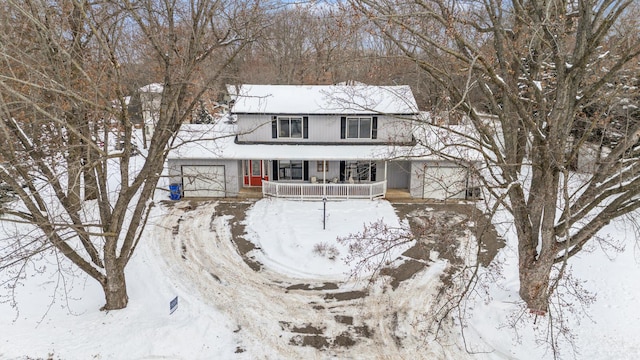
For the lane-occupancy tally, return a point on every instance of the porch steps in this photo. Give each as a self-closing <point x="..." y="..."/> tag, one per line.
<point x="397" y="195"/>
<point x="250" y="193"/>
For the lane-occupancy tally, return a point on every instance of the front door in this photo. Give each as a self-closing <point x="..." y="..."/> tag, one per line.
<point x="254" y="173"/>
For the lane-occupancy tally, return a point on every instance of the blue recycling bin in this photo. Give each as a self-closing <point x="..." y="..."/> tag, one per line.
<point x="175" y="192"/>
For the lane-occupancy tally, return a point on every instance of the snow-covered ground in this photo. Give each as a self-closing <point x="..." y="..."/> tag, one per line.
<point x="604" y="325"/>
<point x="226" y="310"/>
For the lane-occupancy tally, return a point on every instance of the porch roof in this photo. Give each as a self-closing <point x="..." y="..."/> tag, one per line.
<point x="205" y="142"/>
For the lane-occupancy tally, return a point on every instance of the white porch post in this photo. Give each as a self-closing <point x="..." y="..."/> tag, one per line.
<point x="384" y="190"/>
<point x="324" y="171"/>
<point x="385" y="170"/>
<point x="324" y="178"/>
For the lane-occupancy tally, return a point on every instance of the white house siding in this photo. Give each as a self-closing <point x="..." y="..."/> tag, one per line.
<point x="438" y="180"/>
<point x="232" y="170"/>
<point x="150" y="107"/>
<point x="254" y="127"/>
<point x="322" y="129"/>
<point x="333" y="170"/>
<point x="589" y="157"/>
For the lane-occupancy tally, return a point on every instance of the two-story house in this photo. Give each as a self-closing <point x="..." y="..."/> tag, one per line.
<point x="325" y="141"/>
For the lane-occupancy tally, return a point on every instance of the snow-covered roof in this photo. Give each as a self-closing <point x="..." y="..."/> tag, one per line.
<point x="152" y="88"/>
<point x="209" y="142"/>
<point x="217" y="141"/>
<point x="323" y="99"/>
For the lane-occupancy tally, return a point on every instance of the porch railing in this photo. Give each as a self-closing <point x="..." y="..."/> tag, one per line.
<point x="315" y="191"/>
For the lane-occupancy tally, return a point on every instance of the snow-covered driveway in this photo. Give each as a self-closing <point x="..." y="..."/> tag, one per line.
<point x="274" y="320"/>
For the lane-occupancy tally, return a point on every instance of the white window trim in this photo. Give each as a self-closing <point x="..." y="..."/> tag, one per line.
<point x="359" y="119"/>
<point x="289" y="118"/>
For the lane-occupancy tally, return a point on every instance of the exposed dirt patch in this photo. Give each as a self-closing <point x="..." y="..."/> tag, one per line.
<point x="319" y="341"/>
<point x="344" y="340"/>
<point x="403" y="272"/>
<point x="183" y="248"/>
<point x="324" y="286"/>
<point x="438" y="228"/>
<point x="363" y="331"/>
<point x="238" y="210"/>
<point x="472" y="219"/>
<point x="316" y="341"/>
<point x="343" y="319"/>
<point x="304" y="329"/>
<point x="420" y="251"/>
<point x="344" y="296"/>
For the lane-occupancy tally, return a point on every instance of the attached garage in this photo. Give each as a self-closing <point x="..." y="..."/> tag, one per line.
<point x="440" y="181"/>
<point x="203" y="181"/>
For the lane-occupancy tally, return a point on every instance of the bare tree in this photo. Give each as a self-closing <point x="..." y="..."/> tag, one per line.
<point x="62" y="91"/>
<point x="318" y="43"/>
<point x="534" y="66"/>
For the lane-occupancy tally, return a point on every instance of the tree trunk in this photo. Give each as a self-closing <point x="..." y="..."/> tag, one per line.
<point x="90" y="187"/>
<point x="534" y="284"/>
<point x="90" y="180"/>
<point x="115" y="288"/>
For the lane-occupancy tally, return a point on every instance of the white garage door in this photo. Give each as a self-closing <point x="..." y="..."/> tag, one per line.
<point x="444" y="182"/>
<point x="203" y="181"/>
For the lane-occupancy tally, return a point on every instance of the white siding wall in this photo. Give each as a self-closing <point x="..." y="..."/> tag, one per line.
<point x="253" y="127"/>
<point x="333" y="168"/>
<point x="589" y="157"/>
<point x="322" y="128"/>
<point x="150" y="107"/>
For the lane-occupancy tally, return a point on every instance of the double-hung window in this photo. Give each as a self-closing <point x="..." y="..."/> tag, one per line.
<point x="290" y="127"/>
<point x="359" y="128"/>
<point x="290" y="170"/>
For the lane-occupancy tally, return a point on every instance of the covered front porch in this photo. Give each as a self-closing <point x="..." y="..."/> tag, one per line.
<point x="324" y="190"/>
<point x="318" y="179"/>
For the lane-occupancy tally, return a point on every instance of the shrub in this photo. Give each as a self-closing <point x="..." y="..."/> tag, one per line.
<point x="326" y="250"/>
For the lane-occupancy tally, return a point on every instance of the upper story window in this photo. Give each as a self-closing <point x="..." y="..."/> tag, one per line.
<point x="290" y="127"/>
<point x="361" y="127"/>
